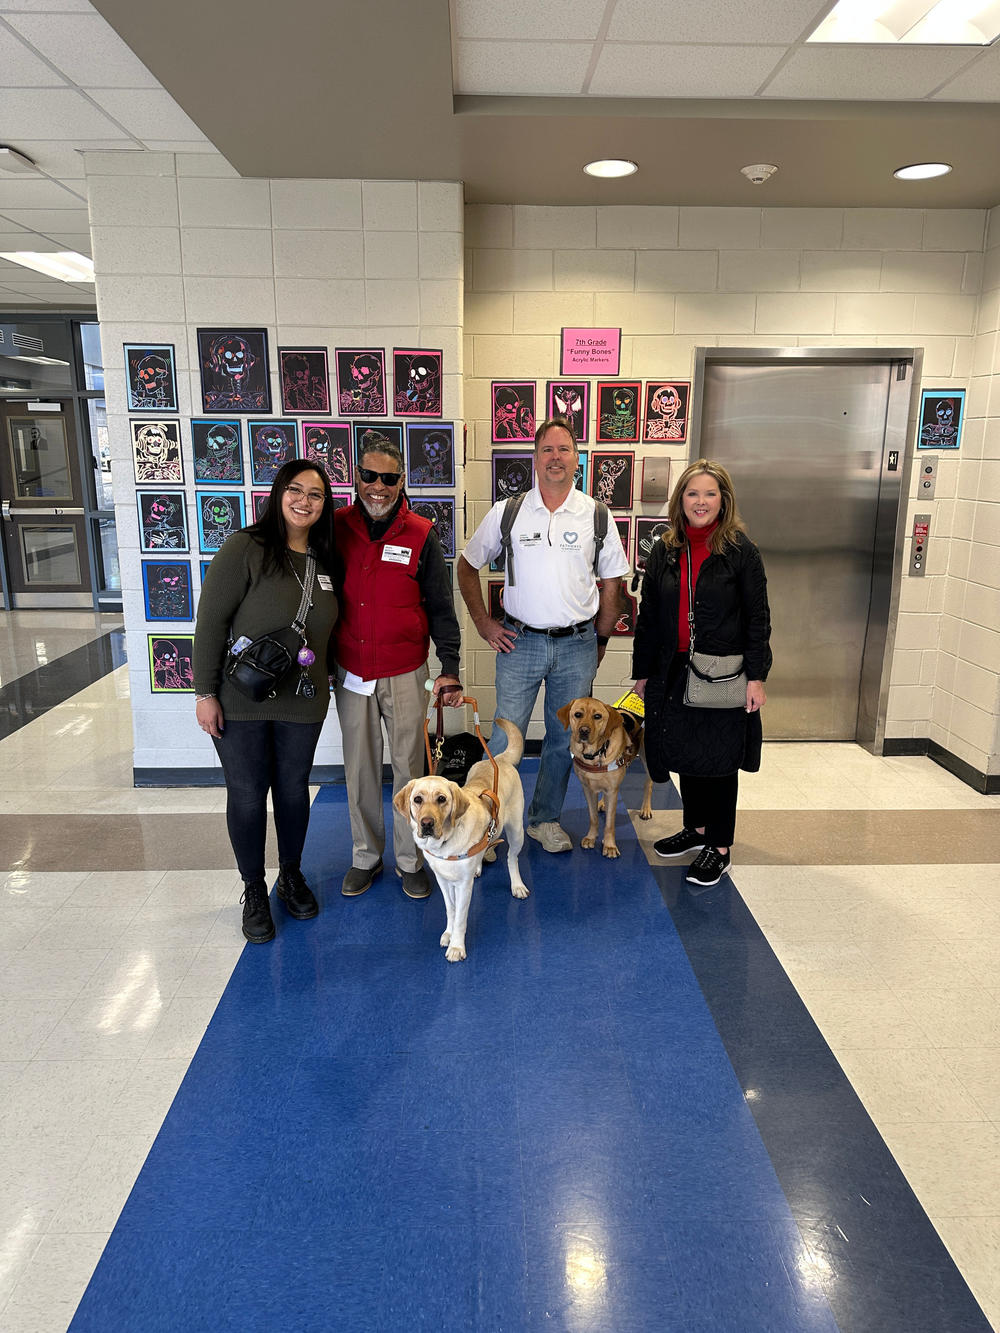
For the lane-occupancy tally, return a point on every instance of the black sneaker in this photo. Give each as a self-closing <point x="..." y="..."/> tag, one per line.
<point x="708" y="867"/>
<point x="295" y="893"/>
<point x="685" y="841"/>
<point x="257" y="924"/>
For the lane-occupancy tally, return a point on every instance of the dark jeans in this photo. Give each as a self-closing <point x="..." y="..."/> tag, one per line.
<point x="710" y="803"/>
<point x="257" y="757"/>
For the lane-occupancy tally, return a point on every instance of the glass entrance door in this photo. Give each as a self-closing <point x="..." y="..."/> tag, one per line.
<point x="43" y="521"/>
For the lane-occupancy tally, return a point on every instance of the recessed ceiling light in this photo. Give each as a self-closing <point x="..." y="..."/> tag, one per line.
<point x="922" y="171"/>
<point x="66" y="265"/>
<point x="611" y="166"/>
<point x="934" y="22"/>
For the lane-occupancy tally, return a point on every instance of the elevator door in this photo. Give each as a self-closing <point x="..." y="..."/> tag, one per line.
<point x="804" y="443"/>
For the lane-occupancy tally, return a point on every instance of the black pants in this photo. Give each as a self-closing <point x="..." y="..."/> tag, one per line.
<point x="257" y="757"/>
<point x="710" y="803"/>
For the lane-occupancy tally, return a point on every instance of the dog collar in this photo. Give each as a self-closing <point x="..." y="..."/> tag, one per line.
<point x="489" y="838"/>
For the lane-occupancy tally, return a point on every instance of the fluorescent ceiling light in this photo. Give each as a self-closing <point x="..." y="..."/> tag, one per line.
<point x="66" y="265"/>
<point x="922" y="171"/>
<point x="611" y="166"/>
<point x="944" y="23"/>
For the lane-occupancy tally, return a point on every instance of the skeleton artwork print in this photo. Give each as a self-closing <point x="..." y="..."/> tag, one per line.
<point x="150" y="377"/>
<point x="272" y="444"/>
<point x="162" y="521"/>
<point x="666" y="411"/>
<point x="571" y="399"/>
<point x="941" y="418"/>
<point x="156" y="451"/>
<point x="612" y="479"/>
<point x="512" y="474"/>
<point x="215" y="446"/>
<point x="370" y="435"/>
<point x="617" y="411"/>
<point x="648" y="532"/>
<point x="416" y="382"/>
<point x="513" y="411"/>
<point x="170" y="669"/>
<point x="430" y="455"/>
<point x="219" y="516"/>
<point x="625" y="624"/>
<point x="441" y="512"/>
<point x="166" y="588"/>
<point x="328" y="445"/>
<point x="235" y="374"/>
<point x="305" y="379"/>
<point x="361" y="382"/>
<point x="258" y="504"/>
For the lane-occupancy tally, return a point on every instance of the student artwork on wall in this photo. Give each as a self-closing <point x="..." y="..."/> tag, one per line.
<point x="611" y="480"/>
<point x="156" y="451"/>
<point x="272" y="445"/>
<point x="203" y="568"/>
<point x="512" y="474"/>
<point x="304" y="375"/>
<point x="648" y="532"/>
<point x="343" y="499"/>
<point x="494" y="598"/>
<point x="441" y="512"/>
<point x="625" y="624"/>
<point x="416" y="382"/>
<point x="666" y="416"/>
<point x="328" y="445"/>
<point x="618" y="411"/>
<point x="150" y="377"/>
<point x="361" y="382"/>
<point x="170" y="669"/>
<point x="624" y="526"/>
<point x="513" y="408"/>
<point x="430" y="455"/>
<point x="235" y="372"/>
<point x="166" y="589"/>
<point x="258" y="503"/>
<point x="941" y="412"/>
<point x="571" y="398"/>
<point x="217" y="448"/>
<point x="370" y="434"/>
<point x="220" y="514"/>
<point x="162" y="521"/>
<point x="582" y="473"/>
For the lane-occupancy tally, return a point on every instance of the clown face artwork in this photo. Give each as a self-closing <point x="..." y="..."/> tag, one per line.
<point x="272" y="444"/>
<point x="156" y="451"/>
<point x="618" y="411"/>
<point x="328" y="445"/>
<point x="416" y="378"/>
<point x="305" y="379"/>
<point x="361" y="382"/>
<point x="150" y="377"/>
<point x="217" y="453"/>
<point x="162" y="521"/>
<point x="666" y="411"/>
<point x="513" y="411"/>
<point x="219" y="516"/>
<point x="170" y="669"/>
<point x="235" y="375"/>
<point x="166" y="587"/>
<point x="571" y="399"/>
<point x="430" y="454"/>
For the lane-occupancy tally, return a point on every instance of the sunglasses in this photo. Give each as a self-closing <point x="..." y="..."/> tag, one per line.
<point x="387" y="478"/>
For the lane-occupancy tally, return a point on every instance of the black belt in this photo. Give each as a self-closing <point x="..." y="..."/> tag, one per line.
<point x="556" y="632"/>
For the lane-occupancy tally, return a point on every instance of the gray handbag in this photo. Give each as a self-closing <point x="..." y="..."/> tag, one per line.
<point x="712" y="681"/>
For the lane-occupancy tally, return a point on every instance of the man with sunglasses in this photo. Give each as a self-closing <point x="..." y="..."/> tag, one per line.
<point x="396" y="597"/>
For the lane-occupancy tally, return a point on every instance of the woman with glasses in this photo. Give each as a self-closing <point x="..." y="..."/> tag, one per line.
<point x="253" y="587"/>
<point x="396" y="597"/>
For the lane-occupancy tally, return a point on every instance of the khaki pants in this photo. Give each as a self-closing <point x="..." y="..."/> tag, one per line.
<point x="399" y="703"/>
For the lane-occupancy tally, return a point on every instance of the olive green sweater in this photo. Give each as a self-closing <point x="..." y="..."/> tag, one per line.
<point x="238" y="597"/>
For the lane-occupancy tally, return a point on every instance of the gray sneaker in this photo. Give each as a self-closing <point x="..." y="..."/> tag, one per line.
<point x="358" y="881"/>
<point x="552" y="837"/>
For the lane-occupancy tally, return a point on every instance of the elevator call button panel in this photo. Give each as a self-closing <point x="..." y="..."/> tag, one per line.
<point x="918" y="546"/>
<point x="928" y="476"/>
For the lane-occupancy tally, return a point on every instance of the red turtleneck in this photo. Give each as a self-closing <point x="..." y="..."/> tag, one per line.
<point x="698" y="539"/>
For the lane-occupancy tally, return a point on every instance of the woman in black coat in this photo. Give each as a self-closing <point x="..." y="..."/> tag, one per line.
<point x="706" y="747"/>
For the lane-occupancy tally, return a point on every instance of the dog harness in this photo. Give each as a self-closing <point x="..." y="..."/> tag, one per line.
<point x="631" y="750"/>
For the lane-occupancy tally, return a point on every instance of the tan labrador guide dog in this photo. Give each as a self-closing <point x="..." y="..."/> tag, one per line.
<point x="603" y="742"/>
<point x="453" y="826"/>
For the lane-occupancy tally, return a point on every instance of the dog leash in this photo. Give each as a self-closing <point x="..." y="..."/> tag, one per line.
<point x="492" y="797"/>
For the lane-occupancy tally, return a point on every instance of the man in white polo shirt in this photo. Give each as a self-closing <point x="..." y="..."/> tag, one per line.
<point x="556" y="620"/>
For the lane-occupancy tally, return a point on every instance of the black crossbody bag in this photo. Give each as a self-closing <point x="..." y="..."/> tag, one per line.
<point x="257" y="670"/>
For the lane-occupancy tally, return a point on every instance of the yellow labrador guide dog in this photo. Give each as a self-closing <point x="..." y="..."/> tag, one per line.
<point x="603" y="741"/>
<point x="453" y="826"/>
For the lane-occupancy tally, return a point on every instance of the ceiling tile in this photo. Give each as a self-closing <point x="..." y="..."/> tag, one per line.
<point x="539" y="20"/>
<point x="44" y="6"/>
<point x="9" y="298"/>
<point x="71" y="240"/>
<point x="552" y="69"/>
<point x="36" y="192"/>
<point x="55" y="159"/>
<point x="148" y="113"/>
<point x="82" y="45"/>
<point x="185" y="146"/>
<point x="682" y="71"/>
<point x="864" y="73"/>
<point x="980" y="82"/>
<point x="49" y="219"/>
<point x="22" y="68"/>
<point x="53" y="113"/>
<point x="722" y="21"/>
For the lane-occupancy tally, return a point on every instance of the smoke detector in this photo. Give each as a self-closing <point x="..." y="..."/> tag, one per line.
<point x="759" y="172"/>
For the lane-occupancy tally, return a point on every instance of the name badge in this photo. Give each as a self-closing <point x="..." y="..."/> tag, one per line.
<point x="324" y="582"/>
<point x="529" y="538"/>
<point x="397" y="555"/>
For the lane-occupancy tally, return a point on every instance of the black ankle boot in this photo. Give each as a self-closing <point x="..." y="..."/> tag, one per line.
<point x="296" y="894"/>
<point x="257" y="924"/>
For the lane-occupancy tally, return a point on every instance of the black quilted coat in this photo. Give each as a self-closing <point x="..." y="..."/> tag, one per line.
<point x="731" y="615"/>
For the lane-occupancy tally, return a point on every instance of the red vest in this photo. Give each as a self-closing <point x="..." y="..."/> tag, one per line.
<point x="382" y="627"/>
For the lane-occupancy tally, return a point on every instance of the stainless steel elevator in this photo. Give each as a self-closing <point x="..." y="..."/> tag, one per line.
<point x="816" y="444"/>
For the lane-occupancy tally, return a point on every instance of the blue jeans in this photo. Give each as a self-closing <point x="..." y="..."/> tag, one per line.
<point x="567" y="668"/>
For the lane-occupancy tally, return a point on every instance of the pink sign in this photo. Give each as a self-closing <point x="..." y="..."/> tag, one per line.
<point x="590" y="351"/>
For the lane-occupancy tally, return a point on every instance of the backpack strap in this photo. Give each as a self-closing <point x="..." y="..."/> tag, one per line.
<point x="600" y="530"/>
<point x="507" y="520"/>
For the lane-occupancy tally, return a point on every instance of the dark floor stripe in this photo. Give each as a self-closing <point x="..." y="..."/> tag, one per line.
<point x="32" y="695"/>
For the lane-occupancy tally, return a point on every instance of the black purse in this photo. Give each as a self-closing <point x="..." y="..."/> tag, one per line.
<point x="258" y="669"/>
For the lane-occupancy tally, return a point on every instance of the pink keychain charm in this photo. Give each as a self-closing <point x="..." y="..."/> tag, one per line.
<point x="306" y="657"/>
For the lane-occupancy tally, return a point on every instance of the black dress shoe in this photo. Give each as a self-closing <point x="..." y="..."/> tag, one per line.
<point x="358" y="880"/>
<point x="295" y="893"/>
<point x="415" y="883"/>
<point x="257" y="924"/>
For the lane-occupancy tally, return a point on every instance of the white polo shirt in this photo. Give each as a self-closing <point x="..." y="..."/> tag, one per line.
<point x="553" y="557"/>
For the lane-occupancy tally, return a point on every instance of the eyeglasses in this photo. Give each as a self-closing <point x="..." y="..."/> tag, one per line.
<point x="297" y="493"/>
<point x="387" y="478"/>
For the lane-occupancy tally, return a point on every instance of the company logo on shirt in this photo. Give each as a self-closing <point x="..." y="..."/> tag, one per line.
<point x="570" y="541"/>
